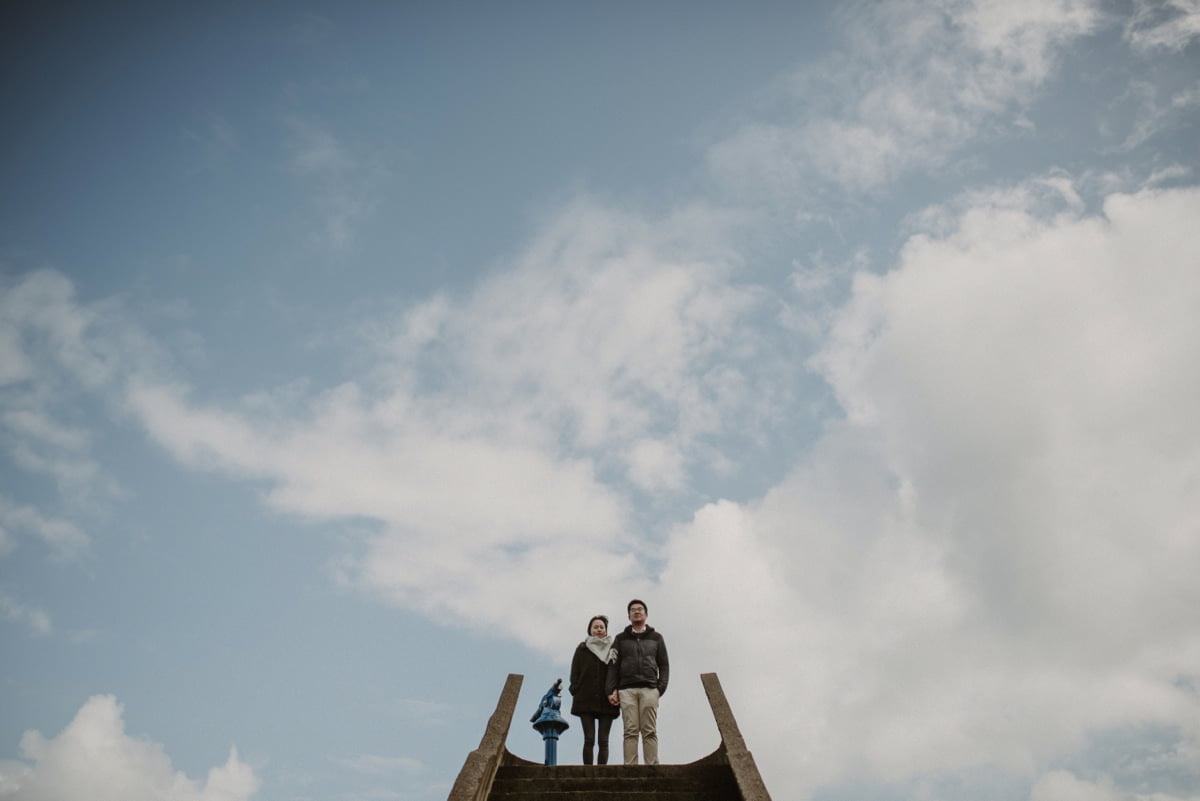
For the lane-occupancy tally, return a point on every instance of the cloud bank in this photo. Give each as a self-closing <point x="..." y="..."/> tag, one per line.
<point x="987" y="559"/>
<point x="990" y="559"/>
<point x="93" y="759"/>
<point x="981" y="569"/>
<point x="512" y="432"/>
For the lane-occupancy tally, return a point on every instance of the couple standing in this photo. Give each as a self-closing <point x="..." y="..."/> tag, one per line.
<point x="629" y="671"/>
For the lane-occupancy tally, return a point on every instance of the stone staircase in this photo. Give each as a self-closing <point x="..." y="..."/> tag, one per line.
<point x="614" y="783"/>
<point x="493" y="773"/>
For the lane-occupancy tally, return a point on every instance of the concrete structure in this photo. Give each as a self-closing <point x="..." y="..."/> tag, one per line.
<point x="492" y="773"/>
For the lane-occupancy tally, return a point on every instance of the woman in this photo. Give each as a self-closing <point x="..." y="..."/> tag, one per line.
<point x="589" y="669"/>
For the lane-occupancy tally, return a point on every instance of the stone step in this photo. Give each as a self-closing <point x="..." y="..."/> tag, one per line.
<point x="706" y="772"/>
<point x="654" y="784"/>
<point x="614" y="783"/>
<point x="627" y="795"/>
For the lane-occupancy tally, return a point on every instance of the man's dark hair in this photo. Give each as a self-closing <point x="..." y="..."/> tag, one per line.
<point x="629" y="605"/>
<point x="594" y="619"/>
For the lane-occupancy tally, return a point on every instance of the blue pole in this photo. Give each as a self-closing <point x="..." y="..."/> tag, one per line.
<point x="551" y="738"/>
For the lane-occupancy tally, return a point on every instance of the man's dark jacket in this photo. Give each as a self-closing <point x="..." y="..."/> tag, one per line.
<point x="641" y="661"/>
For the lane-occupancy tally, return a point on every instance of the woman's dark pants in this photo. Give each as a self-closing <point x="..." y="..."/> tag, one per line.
<point x="590" y="724"/>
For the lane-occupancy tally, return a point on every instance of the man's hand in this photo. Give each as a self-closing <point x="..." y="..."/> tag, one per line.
<point x="614" y="698"/>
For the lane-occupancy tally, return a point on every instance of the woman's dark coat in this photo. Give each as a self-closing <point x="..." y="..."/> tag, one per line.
<point x="587" y="685"/>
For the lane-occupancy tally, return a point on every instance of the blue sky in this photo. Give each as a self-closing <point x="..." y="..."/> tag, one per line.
<point x="352" y="358"/>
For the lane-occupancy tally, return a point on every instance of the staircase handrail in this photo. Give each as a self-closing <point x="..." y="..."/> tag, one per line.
<point x="474" y="781"/>
<point x="741" y="761"/>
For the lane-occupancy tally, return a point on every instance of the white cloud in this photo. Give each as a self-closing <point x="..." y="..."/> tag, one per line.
<point x="339" y="180"/>
<point x="316" y="151"/>
<point x="993" y="557"/>
<point x="818" y="285"/>
<point x="1062" y="785"/>
<point x="13" y="364"/>
<point x="1000" y="532"/>
<point x="494" y="440"/>
<point x="362" y="458"/>
<point x="916" y="82"/>
<point x="1170" y="25"/>
<point x="36" y="619"/>
<point x="36" y="424"/>
<point x="1153" y="114"/>
<point x="93" y="759"/>
<point x="610" y="327"/>
<point x="54" y="350"/>
<point x="61" y="535"/>
<point x="989" y="559"/>
<point x="1173" y="172"/>
<point x="655" y="465"/>
<point x="43" y="303"/>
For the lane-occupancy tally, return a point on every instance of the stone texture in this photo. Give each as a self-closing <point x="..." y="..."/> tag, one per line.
<point x="474" y="781"/>
<point x="492" y="773"/>
<point x="616" y="783"/>
<point x="741" y="761"/>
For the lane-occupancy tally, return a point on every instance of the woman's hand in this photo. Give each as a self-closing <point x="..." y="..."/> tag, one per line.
<point x="614" y="698"/>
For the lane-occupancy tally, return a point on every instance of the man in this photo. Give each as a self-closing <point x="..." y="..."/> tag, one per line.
<point x="637" y="678"/>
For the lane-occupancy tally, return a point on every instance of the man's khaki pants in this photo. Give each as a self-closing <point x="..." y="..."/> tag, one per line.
<point x="639" y="713"/>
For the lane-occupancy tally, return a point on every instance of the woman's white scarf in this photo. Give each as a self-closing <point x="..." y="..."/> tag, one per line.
<point x="601" y="647"/>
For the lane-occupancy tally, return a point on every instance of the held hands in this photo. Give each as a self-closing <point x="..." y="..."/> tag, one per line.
<point x="614" y="699"/>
